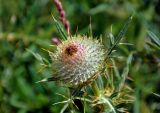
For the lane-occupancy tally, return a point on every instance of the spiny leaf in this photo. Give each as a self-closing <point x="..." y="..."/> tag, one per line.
<point x="154" y="38"/>
<point x="59" y="28"/>
<point x="120" y="35"/>
<point x="120" y="105"/>
<point x="125" y="72"/>
<point x="40" y="58"/>
<point x="112" y="38"/>
<point x="64" y="108"/>
<point x="109" y="103"/>
<point x="47" y="79"/>
<point x="36" y="55"/>
<point x="117" y="74"/>
<point x="114" y="95"/>
<point x="60" y="103"/>
<point x="156" y="94"/>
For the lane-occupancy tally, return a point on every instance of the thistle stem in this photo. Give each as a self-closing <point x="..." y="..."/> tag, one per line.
<point x="95" y="88"/>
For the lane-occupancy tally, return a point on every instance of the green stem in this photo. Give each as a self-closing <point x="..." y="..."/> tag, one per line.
<point x="95" y="88"/>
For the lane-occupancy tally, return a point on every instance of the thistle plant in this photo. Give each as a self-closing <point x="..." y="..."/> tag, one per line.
<point x="81" y="62"/>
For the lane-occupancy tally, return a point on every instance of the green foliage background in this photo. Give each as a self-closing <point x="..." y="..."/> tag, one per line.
<point x="28" y="24"/>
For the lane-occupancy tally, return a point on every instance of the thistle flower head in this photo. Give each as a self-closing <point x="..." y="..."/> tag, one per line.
<point x="77" y="59"/>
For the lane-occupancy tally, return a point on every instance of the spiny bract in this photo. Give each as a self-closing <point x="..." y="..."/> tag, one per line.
<point x="77" y="59"/>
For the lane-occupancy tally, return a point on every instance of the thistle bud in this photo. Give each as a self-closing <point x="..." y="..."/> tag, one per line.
<point x="77" y="59"/>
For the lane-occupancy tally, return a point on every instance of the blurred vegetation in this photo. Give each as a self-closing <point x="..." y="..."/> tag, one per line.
<point x="28" y="24"/>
